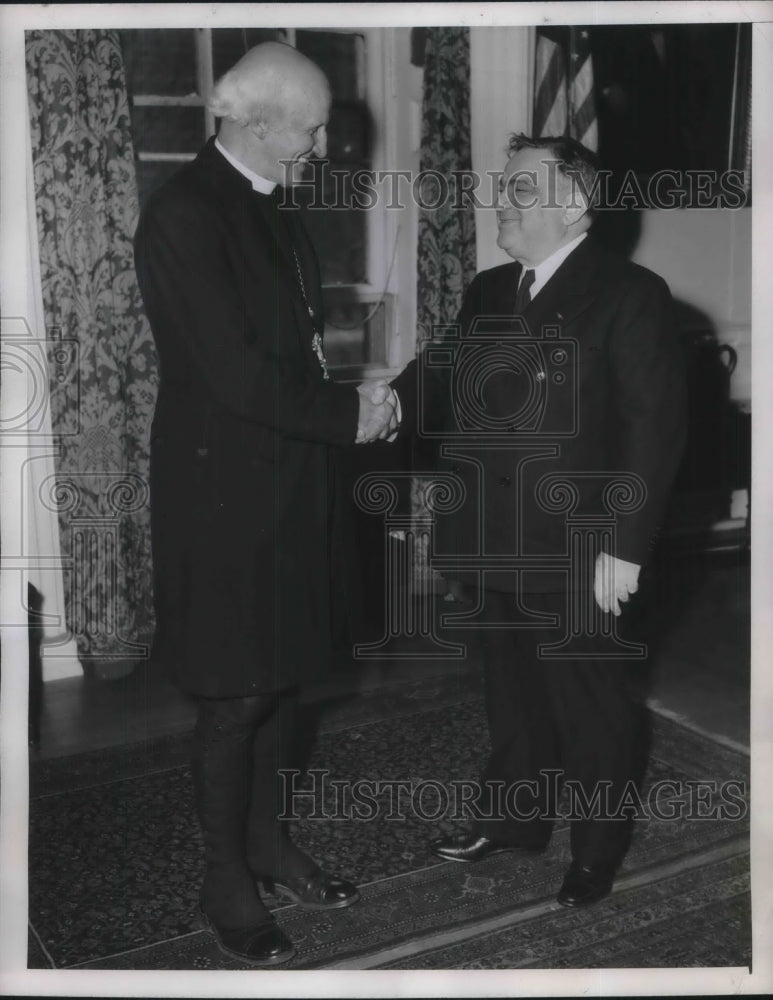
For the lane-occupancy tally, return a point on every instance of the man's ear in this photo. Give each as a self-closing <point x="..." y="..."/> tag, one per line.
<point x="574" y="210"/>
<point x="575" y="201"/>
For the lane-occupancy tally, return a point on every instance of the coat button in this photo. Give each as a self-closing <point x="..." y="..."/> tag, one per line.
<point x="505" y="481"/>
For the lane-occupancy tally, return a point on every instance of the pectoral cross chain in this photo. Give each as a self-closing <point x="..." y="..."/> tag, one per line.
<point x="316" y="340"/>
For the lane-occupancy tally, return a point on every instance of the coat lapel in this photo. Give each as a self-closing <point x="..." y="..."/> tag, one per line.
<point x="283" y="227"/>
<point x="570" y="291"/>
<point x="255" y="219"/>
<point x="308" y="262"/>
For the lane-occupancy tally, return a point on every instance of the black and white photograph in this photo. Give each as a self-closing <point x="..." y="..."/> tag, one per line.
<point x="385" y="547"/>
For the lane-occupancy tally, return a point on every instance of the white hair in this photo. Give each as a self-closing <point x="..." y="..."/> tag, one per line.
<point x="259" y="87"/>
<point x="245" y="100"/>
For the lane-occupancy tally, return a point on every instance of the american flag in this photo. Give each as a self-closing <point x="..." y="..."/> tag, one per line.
<point x="564" y="101"/>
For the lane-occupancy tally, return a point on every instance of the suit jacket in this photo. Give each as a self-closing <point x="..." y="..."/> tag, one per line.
<point x="240" y="507"/>
<point x="591" y="386"/>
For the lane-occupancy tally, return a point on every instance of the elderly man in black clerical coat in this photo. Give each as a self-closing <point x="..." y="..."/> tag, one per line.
<point x="240" y="492"/>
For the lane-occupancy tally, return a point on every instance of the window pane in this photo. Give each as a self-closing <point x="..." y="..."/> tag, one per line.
<point x="338" y="234"/>
<point x="349" y="133"/>
<point x="340" y="55"/>
<point x="160" y="61"/>
<point x="355" y="332"/>
<point x="151" y="175"/>
<point x="168" y="129"/>
<point x="230" y="44"/>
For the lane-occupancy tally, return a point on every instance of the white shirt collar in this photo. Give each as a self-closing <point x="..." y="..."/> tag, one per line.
<point x="544" y="272"/>
<point x="258" y="183"/>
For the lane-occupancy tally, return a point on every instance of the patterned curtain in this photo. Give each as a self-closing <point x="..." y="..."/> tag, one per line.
<point x="446" y="255"/>
<point x="101" y="356"/>
<point x="446" y="240"/>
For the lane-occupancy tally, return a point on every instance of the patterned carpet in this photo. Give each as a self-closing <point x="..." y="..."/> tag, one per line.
<point x="115" y="856"/>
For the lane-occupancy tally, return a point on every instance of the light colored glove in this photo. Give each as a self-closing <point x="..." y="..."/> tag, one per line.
<point x="615" y="580"/>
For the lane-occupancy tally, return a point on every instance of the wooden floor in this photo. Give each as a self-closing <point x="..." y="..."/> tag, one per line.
<point x="700" y="671"/>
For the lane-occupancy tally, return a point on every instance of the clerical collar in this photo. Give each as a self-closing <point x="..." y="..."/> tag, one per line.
<point x="259" y="183"/>
<point x="544" y="272"/>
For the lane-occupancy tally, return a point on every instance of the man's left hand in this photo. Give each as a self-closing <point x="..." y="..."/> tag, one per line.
<point x="615" y="581"/>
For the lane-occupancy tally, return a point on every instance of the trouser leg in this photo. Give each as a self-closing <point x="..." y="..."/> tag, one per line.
<point x="270" y="850"/>
<point x="599" y="737"/>
<point x="577" y="717"/>
<point x="518" y="791"/>
<point x="222" y="776"/>
<point x="599" y="727"/>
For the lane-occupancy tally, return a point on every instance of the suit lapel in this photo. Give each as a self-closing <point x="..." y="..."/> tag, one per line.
<point x="570" y="291"/>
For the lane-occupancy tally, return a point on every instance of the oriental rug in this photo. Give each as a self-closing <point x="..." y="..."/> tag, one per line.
<point x="115" y="853"/>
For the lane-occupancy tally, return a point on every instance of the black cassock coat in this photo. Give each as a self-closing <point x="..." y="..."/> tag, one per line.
<point x="592" y="386"/>
<point x="240" y="482"/>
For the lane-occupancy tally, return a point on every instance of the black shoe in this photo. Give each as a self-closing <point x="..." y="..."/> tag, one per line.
<point x="471" y="847"/>
<point x="264" y="944"/>
<point x="317" y="891"/>
<point x="585" y="884"/>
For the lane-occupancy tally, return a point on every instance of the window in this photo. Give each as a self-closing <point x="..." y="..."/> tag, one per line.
<point x="171" y="72"/>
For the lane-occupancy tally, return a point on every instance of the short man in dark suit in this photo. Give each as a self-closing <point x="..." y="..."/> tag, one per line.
<point x="528" y="423"/>
<point x="240" y="490"/>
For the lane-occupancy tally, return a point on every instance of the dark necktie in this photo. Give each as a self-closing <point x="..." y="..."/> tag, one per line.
<point x="523" y="295"/>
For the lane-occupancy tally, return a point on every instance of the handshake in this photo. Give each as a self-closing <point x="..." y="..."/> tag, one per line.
<point x="379" y="412"/>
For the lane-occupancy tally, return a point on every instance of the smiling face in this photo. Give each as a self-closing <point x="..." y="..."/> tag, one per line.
<point x="534" y="216"/>
<point x="285" y="146"/>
